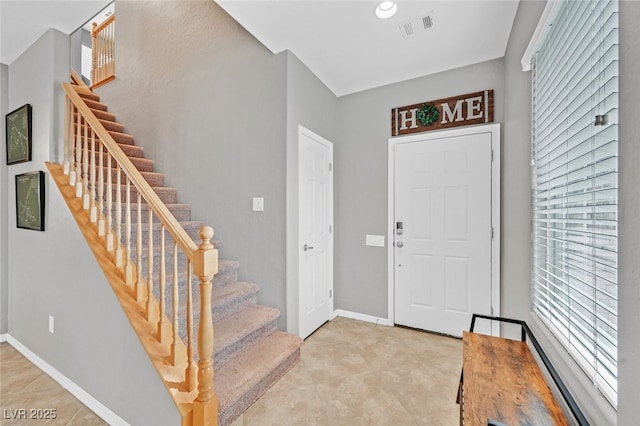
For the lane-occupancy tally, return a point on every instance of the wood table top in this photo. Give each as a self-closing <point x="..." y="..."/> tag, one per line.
<point x="502" y="381"/>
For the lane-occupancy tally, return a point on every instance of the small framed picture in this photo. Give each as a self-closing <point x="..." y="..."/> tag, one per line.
<point x="30" y="200"/>
<point x="18" y="128"/>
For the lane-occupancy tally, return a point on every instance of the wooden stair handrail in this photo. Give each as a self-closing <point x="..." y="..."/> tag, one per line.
<point x="77" y="79"/>
<point x="97" y="28"/>
<point x="178" y="233"/>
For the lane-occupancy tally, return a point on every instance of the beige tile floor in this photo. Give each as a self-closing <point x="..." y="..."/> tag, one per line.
<point x="23" y="386"/>
<point x="351" y="373"/>
<point x="357" y="373"/>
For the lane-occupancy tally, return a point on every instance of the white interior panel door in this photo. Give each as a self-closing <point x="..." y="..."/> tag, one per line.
<point x="443" y="232"/>
<point x="315" y="231"/>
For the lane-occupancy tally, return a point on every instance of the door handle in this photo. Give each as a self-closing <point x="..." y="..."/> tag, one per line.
<point x="306" y="247"/>
<point x="399" y="244"/>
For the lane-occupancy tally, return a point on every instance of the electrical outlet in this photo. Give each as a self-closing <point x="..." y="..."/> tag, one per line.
<point x="51" y="324"/>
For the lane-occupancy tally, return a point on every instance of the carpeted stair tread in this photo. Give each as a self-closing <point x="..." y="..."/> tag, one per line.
<point x="141" y="163"/>
<point x="182" y="212"/>
<point x="222" y="295"/>
<point x="227" y="272"/>
<point x="167" y="194"/>
<point x="103" y="115"/>
<point x="241" y="381"/>
<point x="243" y="327"/>
<point x="232" y="298"/>
<point x="132" y="150"/>
<point x="122" y="138"/>
<point x="95" y="105"/>
<point x="91" y="96"/>
<point x="112" y="126"/>
<point x="155" y="179"/>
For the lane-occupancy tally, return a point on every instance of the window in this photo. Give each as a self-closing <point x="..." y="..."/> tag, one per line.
<point x="575" y="184"/>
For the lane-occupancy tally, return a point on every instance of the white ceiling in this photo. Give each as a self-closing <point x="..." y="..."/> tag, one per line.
<point x="350" y="49"/>
<point x="341" y="41"/>
<point x="22" y="22"/>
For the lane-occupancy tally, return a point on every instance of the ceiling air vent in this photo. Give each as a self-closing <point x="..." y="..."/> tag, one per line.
<point x="416" y="26"/>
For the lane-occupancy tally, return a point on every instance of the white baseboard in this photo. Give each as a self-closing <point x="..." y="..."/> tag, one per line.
<point x="3" y="337"/>
<point x="93" y="404"/>
<point x="361" y="317"/>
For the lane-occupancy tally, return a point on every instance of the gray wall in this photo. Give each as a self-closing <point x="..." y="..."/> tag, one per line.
<point x="310" y="104"/>
<point x="94" y="345"/>
<point x="207" y="102"/>
<point x="629" y="228"/>
<point x="4" y="201"/>
<point x="360" y="152"/>
<point x="516" y="169"/>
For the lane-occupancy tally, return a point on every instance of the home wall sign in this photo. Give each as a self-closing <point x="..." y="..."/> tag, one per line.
<point x="462" y="110"/>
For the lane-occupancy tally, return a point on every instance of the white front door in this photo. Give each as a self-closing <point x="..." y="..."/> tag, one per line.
<point x="315" y="243"/>
<point x="443" y="230"/>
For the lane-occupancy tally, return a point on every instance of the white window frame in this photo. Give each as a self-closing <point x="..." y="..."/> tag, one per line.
<point x="560" y="269"/>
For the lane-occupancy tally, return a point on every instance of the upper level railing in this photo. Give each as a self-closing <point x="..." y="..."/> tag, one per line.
<point x="128" y="215"/>
<point x="103" y="48"/>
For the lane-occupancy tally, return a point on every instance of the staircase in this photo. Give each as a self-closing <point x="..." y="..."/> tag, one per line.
<point x="250" y="354"/>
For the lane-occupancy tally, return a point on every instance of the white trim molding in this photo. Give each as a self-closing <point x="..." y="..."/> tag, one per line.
<point x="3" y="337"/>
<point x="545" y="20"/>
<point x="93" y="404"/>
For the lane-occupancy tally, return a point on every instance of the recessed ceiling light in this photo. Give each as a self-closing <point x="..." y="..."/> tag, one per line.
<point x="386" y="9"/>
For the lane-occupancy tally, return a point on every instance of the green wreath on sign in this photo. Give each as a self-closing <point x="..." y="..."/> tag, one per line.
<point x="428" y="114"/>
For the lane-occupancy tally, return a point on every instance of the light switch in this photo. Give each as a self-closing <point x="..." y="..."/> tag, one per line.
<point x="258" y="204"/>
<point x="375" y="240"/>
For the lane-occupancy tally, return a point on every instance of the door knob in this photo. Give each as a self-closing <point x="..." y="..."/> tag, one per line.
<point x="306" y="247"/>
<point x="399" y="244"/>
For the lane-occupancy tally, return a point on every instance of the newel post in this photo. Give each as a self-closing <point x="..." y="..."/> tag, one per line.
<point x="205" y="266"/>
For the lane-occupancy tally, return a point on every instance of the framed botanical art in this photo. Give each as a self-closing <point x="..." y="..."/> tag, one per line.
<point x="30" y="200"/>
<point x="18" y="128"/>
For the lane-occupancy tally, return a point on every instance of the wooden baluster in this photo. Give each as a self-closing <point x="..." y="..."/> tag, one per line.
<point x="177" y="356"/>
<point x="67" y="134"/>
<point x="111" y="54"/>
<point x="139" y="289"/>
<point x="205" y="264"/>
<point x="94" y="54"/>
<point x="92" y="183"/>
<point x="109" y="240"/>
<point x="101" y="224"/>
<point x="75" y="116"/>
<point x="149" y="307"/>
<point x="100" y="56"/>
<point x="118" y="242"/>
<point x="162" y="280"/>
<point x="85" y="167"/>
<point x="76" y="178"/>
<point x="190" y="372"/>
<point x="128" y="269"/>
<point x="103" y="50"/>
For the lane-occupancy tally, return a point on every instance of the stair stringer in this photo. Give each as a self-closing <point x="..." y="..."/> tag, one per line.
<point x="159" y="353"/>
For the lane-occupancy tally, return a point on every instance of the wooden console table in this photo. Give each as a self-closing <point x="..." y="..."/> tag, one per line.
<point x="501" y="381"/>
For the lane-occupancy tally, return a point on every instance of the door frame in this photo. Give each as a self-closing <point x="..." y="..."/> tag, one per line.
<point x="494" y="130"/>
<point x="328" y="144"/>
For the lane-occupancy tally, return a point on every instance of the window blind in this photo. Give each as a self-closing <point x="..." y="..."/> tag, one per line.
<point x="575" y="185"/>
